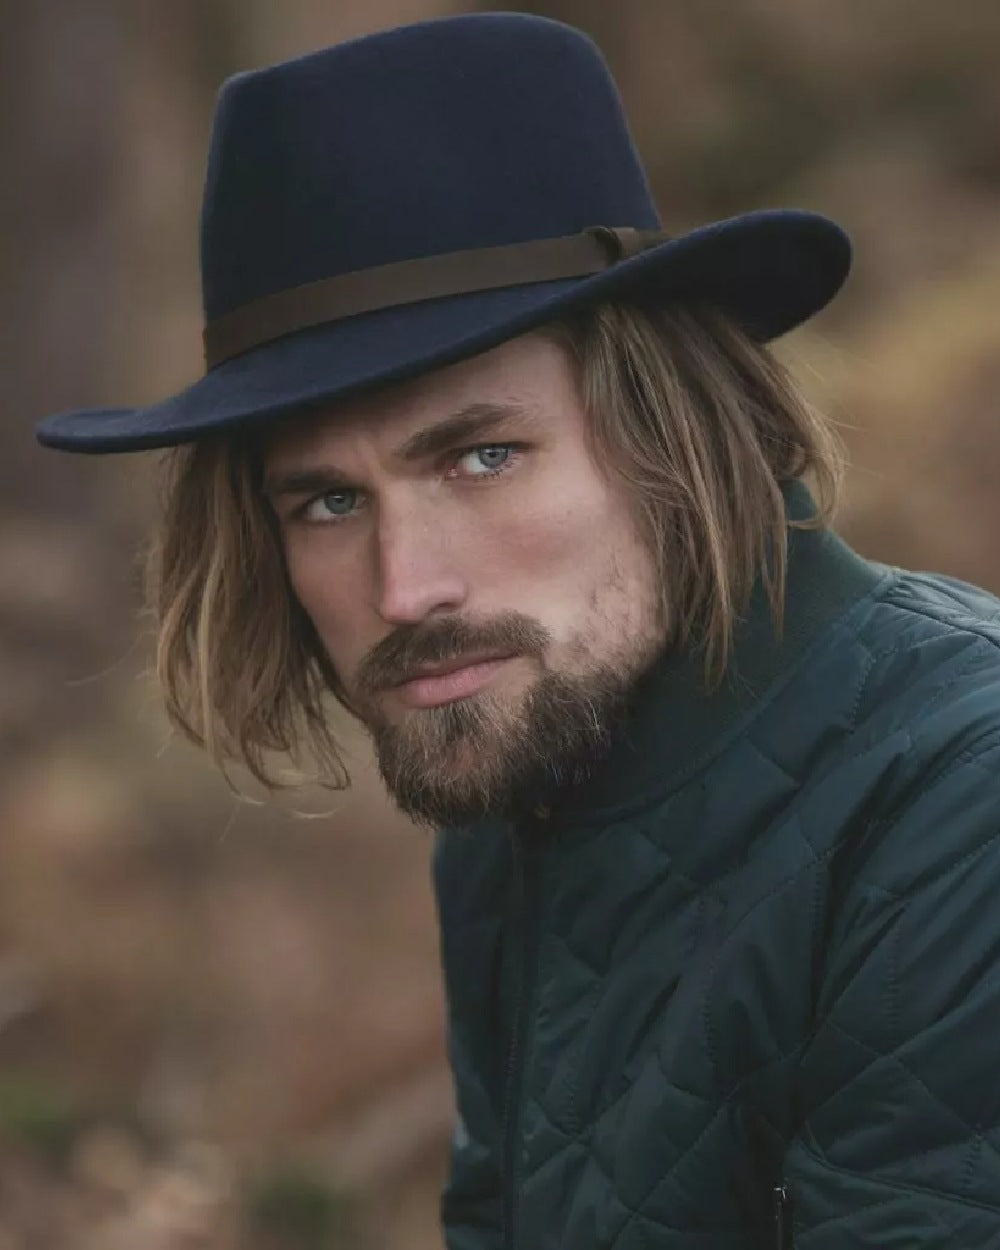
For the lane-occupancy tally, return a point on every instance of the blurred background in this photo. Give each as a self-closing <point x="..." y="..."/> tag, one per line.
<point x="221" y="1024"/>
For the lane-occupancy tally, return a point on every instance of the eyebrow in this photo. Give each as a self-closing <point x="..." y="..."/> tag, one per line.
<point x="465" y="426"/>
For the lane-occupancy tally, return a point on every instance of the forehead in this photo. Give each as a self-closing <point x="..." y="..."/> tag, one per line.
<point x="529" y="373"/>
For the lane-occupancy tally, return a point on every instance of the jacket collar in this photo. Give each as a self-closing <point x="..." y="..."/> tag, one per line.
<point x="672" y="726"/>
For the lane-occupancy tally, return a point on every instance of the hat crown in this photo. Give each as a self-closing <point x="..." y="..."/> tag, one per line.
<point x="464" y="132"/>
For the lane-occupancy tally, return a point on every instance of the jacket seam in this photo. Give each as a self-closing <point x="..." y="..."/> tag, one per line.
<point x="973" y="1157"/>
<point x="873" y="659"/>
<point x="967" y="663"/>
<point x="886" y="1182"/>
<point x="969" y="754"/>
<point x="965" y="626"/>
<point x="970" y="757"/>
<point x="893" y="1058"/>
<point x="816" y="860"/>
<point x="722" y="1106"/>
<point x="892" y="977"/>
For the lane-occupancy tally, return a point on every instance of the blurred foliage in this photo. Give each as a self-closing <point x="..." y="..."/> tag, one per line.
<point x="303" y="1211"/>
<point x="40" y="1116"/>
<point x="251" y="986"/>
<point x="780" y="88"/>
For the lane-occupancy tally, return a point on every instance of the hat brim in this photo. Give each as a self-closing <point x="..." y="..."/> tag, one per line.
<point x="769" y="271"/>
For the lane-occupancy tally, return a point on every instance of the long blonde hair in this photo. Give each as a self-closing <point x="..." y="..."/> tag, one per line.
<point x="700" y="424"/>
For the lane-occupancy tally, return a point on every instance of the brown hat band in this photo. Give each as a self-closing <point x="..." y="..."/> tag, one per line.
<point x="427" y="277"/>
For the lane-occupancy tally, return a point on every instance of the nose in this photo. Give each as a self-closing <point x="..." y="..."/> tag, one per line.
<point x="417" y="572"/>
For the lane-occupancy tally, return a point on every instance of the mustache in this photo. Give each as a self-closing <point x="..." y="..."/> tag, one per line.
<point x="395" y="657"/>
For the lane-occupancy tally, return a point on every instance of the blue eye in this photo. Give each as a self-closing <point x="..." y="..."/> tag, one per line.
<point x="335" y="503"/>
<point x="491" y="459"/>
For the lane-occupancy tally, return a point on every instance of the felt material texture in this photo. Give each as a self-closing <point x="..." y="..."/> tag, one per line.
<point x="462" y="133"/>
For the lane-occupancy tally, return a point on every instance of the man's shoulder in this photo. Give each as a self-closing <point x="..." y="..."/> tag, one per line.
<point x="936" y="604"/>
<point x="932" y="660"/>
<point x="901" y="1049"/>
<point x="928" y="716"/>
<point x="890" y="730"/>
<point x="909" y="674"/>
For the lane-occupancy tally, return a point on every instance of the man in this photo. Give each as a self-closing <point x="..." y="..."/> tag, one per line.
<point x="485" y="457"/>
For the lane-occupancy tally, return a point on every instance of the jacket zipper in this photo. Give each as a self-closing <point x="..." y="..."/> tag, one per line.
<point x="782" y="1220"/>
<point x="527" y="877"/>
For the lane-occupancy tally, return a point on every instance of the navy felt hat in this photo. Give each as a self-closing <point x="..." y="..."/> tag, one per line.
<point x="411" y="198"/>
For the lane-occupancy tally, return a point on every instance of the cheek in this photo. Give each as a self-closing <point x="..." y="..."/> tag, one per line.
<point x="319" y="583"/>
<point x="562" y="542"/>
<point x="540" y="543"/>
<point x="595" y="573"/>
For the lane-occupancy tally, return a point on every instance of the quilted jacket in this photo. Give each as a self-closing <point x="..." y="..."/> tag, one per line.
<point x="742" y="987"/>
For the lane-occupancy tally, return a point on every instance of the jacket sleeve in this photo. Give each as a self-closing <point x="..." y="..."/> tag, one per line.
<point x="469" y="880"/>
<point x="899" y="1144"/>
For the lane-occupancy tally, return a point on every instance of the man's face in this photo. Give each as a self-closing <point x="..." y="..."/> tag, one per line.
<point x="479" y="583"/>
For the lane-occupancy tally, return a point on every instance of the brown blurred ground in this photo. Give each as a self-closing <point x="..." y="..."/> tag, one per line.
<point x="220" y="1024"/>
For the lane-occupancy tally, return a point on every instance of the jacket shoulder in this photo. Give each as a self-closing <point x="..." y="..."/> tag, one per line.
<point x="945" y="605"/>
<point x="898" y="1075"/>
<point x="932" y="666"/>
<point x="929" y="710"/>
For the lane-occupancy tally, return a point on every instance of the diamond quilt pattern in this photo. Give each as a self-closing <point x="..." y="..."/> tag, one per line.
<point x="783" y="969"/>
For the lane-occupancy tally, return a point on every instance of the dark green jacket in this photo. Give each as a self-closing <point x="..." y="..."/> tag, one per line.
<point x="742" y="989"/>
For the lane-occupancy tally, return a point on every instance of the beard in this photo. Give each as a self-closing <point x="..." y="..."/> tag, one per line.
<point x="489" y="755"/>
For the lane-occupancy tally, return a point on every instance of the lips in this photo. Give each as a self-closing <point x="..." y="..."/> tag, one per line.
<point x="452" y="666"/>
<point x="445" y="683"/>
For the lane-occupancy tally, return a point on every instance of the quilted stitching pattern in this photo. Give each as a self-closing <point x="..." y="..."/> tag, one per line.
<point x="788" y="967"/>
